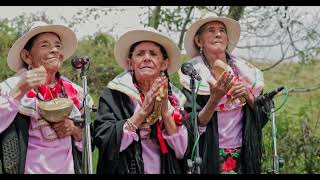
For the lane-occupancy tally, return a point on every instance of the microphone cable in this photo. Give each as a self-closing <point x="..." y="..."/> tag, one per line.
<point x="193" y="117"/>
<point x="286" y="93"/>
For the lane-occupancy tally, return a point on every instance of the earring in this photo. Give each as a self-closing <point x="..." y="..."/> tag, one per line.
<point x="227" y="52"/>
<point x="29" y="67"/>
<point x="201" y="51"/>
<point x="162" y="73"/>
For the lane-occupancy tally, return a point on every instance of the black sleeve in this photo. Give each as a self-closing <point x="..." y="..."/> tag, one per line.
<point x="111" y="115"/>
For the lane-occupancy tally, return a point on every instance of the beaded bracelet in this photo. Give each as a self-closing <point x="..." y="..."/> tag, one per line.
<point x="132" y="126"/>
<point x="129" y="127"/>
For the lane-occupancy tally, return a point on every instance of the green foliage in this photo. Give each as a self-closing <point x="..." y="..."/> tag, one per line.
<point x="7" y="38"/>
<point x="103" y="67"/>
<point x="23" y="21"/>
<point x="12" y="30"/>
<point x="298" y="135"/>
<point x="173" y="18"/>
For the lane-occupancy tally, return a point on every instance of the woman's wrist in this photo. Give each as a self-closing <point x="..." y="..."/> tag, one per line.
<point x="170" y="126"/>
<point x="214" y="99"/>
<point x="16" y="93"/>
<point x="201" y="122"/>
<point x="169" y="123"/>
<point x="207" y="112"/>
<point x="140" y="116"/>
<point x="77" y="133"/>
<point x="166" y="116"/>
<point x="250" y="99"/>
<point x="134" y="121"/>
<point x="130" y="126"/>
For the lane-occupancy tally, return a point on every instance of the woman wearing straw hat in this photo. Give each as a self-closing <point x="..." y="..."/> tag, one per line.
<point x="230" y="140"/>
<point x="128" y="143"/>
<point x="29" y="143"/>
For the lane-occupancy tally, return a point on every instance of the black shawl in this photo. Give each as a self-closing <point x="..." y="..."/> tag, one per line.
<point x="114" y="109"/>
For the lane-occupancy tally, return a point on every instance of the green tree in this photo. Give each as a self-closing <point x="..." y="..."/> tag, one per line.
<point x="103" y="68"/>
<point x="7" y="37"/>
<point x="23" y="21"/>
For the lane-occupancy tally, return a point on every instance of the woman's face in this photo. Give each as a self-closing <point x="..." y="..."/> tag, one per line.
<point x="147" y="61"/>
<point x="47" y="51"/>
<point x="213" y="37"/>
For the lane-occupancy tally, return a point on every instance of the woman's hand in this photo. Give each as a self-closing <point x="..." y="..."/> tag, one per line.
<point x="67" y="128"/>
<point x="239" y="90"/>
<point x="31" y="79"/>
<point x="221" y="87"/>
<point x="150" y="98"/>
<point x="148" y="104"/>
<point x="217" y="91"/>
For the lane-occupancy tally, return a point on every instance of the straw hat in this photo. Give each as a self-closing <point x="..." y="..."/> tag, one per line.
<point x="67" y="36"/>
<point x="233" y="33"/>
<point x="123" y="45"/>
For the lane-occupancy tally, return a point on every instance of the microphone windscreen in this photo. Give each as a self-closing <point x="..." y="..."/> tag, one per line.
<point x="187" y="68"/>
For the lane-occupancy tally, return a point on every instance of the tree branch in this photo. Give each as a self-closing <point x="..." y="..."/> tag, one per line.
<point x="184" y="26"/>
<point x="308" y="89"/>
<point x="155" y="16"/>
<point x="277" y="62"/>
<point x="259" y="45"/>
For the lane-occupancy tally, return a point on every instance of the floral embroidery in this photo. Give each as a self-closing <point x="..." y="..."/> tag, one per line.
<point x="229" y="164"/>
<point x="229" y="158"/>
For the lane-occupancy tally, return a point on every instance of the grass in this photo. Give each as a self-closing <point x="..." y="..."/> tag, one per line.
<point x="290" y="117"/>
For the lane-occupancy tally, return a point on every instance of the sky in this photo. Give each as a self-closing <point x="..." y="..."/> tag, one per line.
<point x="128" y="18"/>
<point x="131" y="17"/>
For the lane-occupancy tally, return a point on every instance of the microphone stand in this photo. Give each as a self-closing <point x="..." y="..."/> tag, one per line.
<point x="194" y="166"/>
<point x="277" y="162"/>
<point x="275" y="157"/>
<point x="87" y="151"/>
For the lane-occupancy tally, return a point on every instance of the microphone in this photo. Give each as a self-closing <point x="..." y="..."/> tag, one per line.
<point x="80" y="62"/>
<point x="188" y="69"/>
<point x="269" y="95"/>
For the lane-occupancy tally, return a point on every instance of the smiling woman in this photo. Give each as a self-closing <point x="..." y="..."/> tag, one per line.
<point x="25" y="132"/>
<point x="44" y="49"/>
